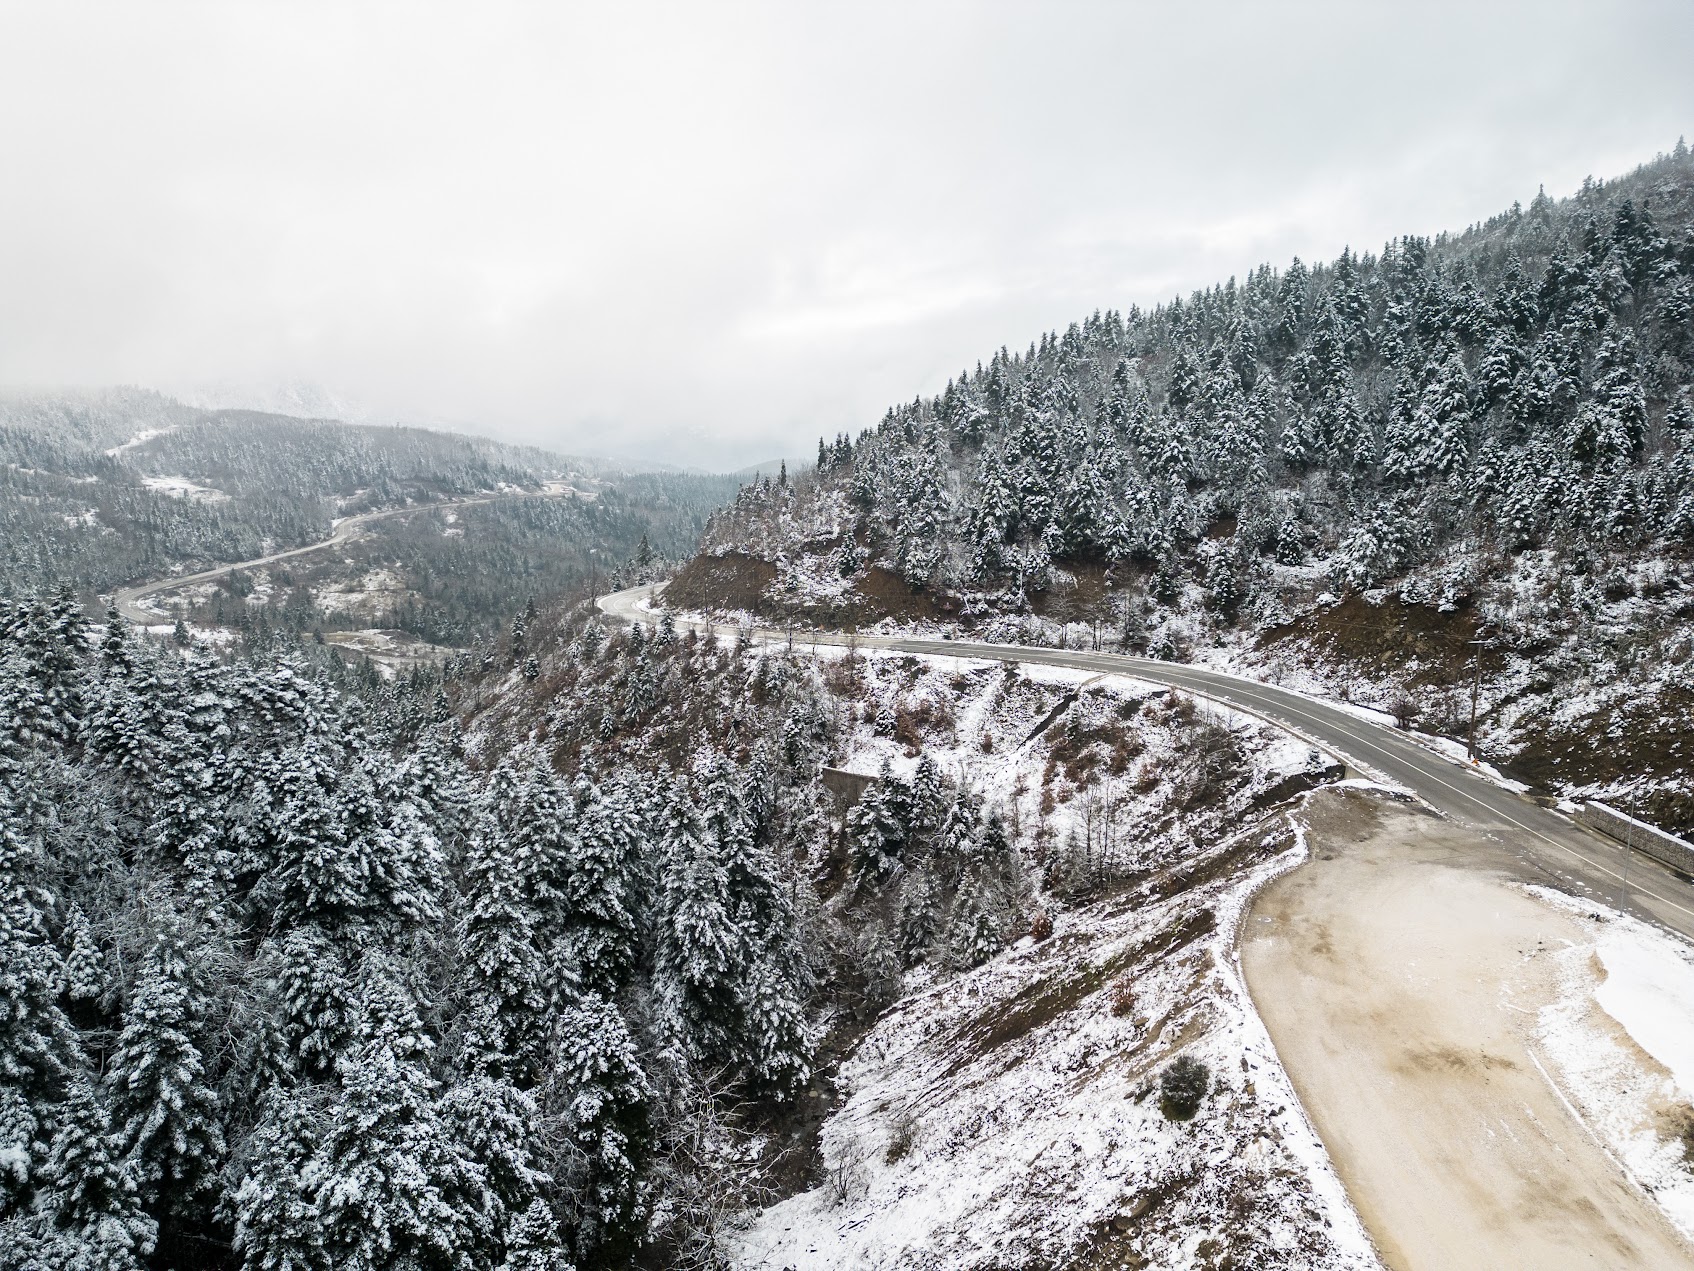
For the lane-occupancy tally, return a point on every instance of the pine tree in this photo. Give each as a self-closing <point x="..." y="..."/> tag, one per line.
<point x="170" y="1118"/>
<point x="385" y="1183"/>
<point x="700" y="947"/>
<point x="504" y="965"/>
<point x="606" y="1105"/>
<point x="533" y="1241"/>
<point x="494" y="1125"/>
<point x="875" y="832"/>
<point x="600" y="887"/>
<point x="773" y="1040"/>
<point x="338" y="852"/>
<point x="37" y="1046"/>
<point x="976" y="929"/>
<point x="277" y="1226"/>
<point x="85" y="966"/>
<point x="91" y="1190"/>
<point x="919" y="916"/>
<point x="314" y="1011"/>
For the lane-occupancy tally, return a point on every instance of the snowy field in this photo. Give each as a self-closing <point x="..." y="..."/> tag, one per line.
<point x="183" y="488"/>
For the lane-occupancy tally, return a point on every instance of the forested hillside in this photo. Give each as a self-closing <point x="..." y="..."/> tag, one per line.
<point x="1351" y="469"/>
<point x="107" y="488"/>
<point x="299" y="975"/>
<point x="98" y="489"/>
<point x="288" y="984"/>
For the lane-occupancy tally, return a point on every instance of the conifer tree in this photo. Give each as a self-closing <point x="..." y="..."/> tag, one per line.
<point x="606" y="1098"/>
<point x="169" y="1116"/>
<point x="38" y="1050"/>
<point x="85" y="967"/>
<point x="976" y="929"/>
<point x="90" y="1189"/>
<point x="505" y="967"/>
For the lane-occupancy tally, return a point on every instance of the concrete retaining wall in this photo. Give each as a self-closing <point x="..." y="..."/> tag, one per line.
<point x="847" y="787"/>
<point x="1649" y="840"/>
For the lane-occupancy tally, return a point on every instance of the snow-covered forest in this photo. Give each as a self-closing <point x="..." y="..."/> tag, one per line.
<point x="288" y="984"/>
<point x="303" y="971"/>
<point x="1524" y="382"/>
<point x="1491" y="432"/>
<point x="102" y="489"/>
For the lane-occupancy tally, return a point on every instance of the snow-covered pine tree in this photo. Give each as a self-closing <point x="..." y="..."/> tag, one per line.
<point x="601" y="888"/>
<point x="89" y="1194"/>
<point x="38" y="1049"/>
<point x="505" y="968"/>
<point x="169" y="1116"/>
<point x="605" y="1097"/>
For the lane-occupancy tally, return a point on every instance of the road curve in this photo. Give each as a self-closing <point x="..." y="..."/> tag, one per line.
<point x="1550" y="847"/>
<point x="125" y="599"/>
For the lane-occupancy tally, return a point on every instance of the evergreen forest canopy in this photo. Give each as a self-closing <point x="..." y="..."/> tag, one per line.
<point x="286" y="983"/>
<point x="1524" y="384"/>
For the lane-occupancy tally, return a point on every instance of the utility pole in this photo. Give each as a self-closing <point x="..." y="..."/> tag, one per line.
<point x="1628" y="851"/>
<point x="1475" y="693"/>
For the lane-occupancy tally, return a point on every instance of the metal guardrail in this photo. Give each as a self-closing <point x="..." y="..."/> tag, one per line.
<point x="1649" y="840"/>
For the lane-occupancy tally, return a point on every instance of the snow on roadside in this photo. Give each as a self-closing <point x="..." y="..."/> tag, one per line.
<point x="1649" y="989"/>
<point x="1621" y="1037"/>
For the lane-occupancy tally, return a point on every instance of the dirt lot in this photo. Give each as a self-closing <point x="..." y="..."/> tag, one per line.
<point x="1400" y="977"/>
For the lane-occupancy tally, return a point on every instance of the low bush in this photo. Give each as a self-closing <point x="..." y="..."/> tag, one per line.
<point x="1123" y="997"/>
<point x="1182" y="1087"/>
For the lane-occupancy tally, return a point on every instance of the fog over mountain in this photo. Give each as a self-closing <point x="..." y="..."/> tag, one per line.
<point x="709" y="234"/>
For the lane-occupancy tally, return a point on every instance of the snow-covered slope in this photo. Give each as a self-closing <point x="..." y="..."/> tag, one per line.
<point x="1011" y="1116"/>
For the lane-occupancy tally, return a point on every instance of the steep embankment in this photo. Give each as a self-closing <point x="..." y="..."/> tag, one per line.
<point x="1013" y="1116"/>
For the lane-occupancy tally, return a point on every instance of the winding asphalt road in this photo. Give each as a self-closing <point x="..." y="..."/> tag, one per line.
<point x="1550" y="847"/>
<point x="126" y="599"/>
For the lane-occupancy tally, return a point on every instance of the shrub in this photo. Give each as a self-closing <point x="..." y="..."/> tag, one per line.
<point x="1404" y="710"/>
<point x="1182" y="1087"/>
<point x="1123" y="997"/>
<point x="1041" y="926"/>
<point x="902" y="1135"/>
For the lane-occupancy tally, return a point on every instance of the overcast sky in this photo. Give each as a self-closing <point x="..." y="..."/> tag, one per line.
<point x="708" y="233"/>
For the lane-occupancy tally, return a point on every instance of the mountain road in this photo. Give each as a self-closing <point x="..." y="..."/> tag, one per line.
<point x="1548" y="846"/>
<point x="126" y="600"/>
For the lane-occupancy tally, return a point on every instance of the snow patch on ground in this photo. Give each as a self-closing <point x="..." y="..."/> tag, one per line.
<point x="1621" y="1038"/>
<point x="183" y="488"/>
<point x="140" y="439"/>
<point x="377" y="591"/>
<point x="390" y="651"/>
<point x="1649" y="989"/>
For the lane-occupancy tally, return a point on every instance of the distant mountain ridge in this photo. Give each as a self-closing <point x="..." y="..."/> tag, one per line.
<point x="104" y="488"/>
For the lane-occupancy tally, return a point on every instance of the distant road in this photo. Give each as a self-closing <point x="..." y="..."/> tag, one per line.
<point x="1550" y="847"/>
<point x="125" y="600"/>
